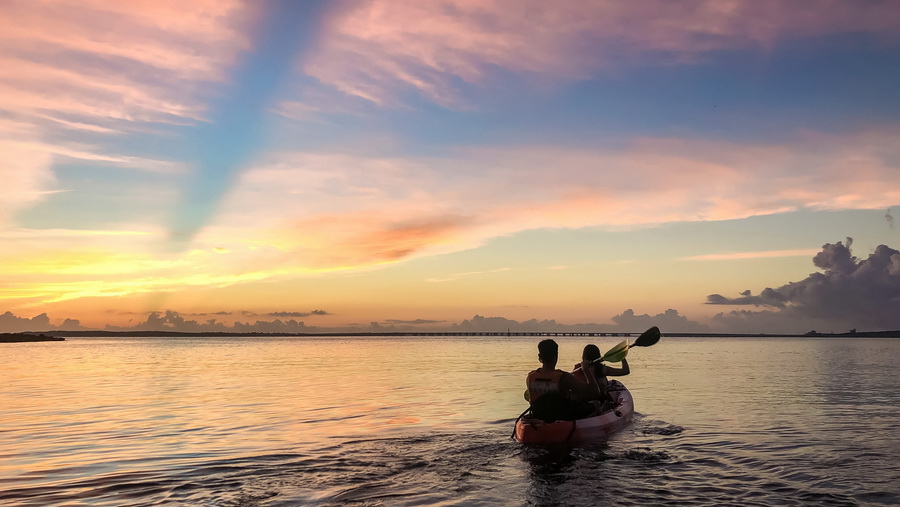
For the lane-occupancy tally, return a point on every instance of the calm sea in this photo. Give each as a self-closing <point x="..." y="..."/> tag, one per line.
<point x="427" y="421"/>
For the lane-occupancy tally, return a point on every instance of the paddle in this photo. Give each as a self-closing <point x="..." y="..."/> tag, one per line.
<point x="646" y="339"/>
<point x="617" y="353"/>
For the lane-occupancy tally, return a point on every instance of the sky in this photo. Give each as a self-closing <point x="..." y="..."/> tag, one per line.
<point x="291" y="166"/>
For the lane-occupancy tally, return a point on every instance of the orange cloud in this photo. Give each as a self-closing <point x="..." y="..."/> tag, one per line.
<point x="754" y="255"/>
<point x="375" y="48"/>
<point x="354" y="240"/>
<point x="383" y="239"/>
<point x="341" y="211"/>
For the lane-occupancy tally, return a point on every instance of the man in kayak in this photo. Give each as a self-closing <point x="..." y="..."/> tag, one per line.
<point x="558" y="395"/>
<point x="591" y="354"/>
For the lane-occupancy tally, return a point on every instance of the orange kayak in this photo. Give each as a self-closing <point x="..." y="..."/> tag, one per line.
<point x="531" y="430"/>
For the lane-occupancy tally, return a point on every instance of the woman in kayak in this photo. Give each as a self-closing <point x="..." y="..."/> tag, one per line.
<point x="591" y="355"/>
<point x="558" y="395"/>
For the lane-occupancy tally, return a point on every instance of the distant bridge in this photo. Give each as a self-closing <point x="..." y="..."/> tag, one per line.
<point x="338" y="334"/>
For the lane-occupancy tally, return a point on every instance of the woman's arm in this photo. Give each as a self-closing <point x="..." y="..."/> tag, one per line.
<point x="617" y="372"/>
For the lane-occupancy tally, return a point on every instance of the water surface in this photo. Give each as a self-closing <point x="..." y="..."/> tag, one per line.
<point x="426" y="421"/>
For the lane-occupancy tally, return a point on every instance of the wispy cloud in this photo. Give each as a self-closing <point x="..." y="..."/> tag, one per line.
<point x="297" y="314"/>
<point x="457" y="276"/>
<point x="156" y="86"/>
<point x="342" y="211"/>
<point x="48" y="266"/>
<point x="414" y="322"/>
<point x="46" y="292"/>
<point x="78" y="72"/>
<point x="99" y="60"/>
<point x="93" y="154"/>
<point x="805" y="252"/>
<point x="377" y="49"/>
<point x="26" y="175"/>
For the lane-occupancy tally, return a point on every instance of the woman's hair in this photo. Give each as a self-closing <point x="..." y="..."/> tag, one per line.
<point x="591" y="352"/>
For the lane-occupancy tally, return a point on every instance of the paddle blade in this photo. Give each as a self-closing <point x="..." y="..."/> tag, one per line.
<point x="647" y="338"/>
<point x="615" y="357"/>
<point x="617" y="353"/>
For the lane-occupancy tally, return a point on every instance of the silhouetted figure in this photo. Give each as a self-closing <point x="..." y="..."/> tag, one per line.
<point x="558" y="395"/>
<point x="591" y="355"/>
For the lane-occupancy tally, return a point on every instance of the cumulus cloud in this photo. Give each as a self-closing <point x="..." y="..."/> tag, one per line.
<point x="297" y="314"/>
<point x="415" y="322"/>
<point x="625" y="322"/>
<point x="768" y="297"/>
<point x="173" y="321"/>
<point x="670" y="321"/>
<point x="376" y="49"/>
<point x="847" y="293"/>
<point x="10" y="323"/>
<point x="480" y="323"/>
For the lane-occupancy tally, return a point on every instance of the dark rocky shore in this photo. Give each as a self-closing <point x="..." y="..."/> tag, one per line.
<point x="28" y="337"/>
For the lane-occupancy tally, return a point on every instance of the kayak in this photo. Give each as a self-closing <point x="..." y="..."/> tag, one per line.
<point x="530" y="430"/>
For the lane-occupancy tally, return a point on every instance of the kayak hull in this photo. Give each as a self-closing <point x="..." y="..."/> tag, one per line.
<point x="535" y="431"/>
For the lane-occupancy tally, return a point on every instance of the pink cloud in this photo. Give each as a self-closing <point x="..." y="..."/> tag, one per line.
<point x="667" y="180"/>
<point x="95" y="68"/>
<point x="88" y="61"/>
<point x="342" y="211"/>
<point x="26" y="176"/>
<point x="368" y="238"/>
<point x="375" y="48"/>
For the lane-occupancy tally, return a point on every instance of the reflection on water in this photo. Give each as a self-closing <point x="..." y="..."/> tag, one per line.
<point x="327" y="421"/>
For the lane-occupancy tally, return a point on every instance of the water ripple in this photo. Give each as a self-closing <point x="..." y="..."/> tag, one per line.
<point x="724" y="427"/>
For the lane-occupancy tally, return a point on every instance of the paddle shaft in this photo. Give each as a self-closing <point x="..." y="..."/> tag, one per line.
<point x="646" y="339"/>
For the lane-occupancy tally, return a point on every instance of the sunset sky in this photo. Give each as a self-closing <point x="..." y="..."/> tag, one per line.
<point x="699" y="165"/>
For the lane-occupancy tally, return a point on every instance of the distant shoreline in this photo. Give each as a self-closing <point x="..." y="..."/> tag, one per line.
<point x="58" y="335"/>
<point x="28" y="337"/>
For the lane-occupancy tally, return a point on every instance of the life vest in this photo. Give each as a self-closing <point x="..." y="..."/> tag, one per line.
<point x="541" y="382"/>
